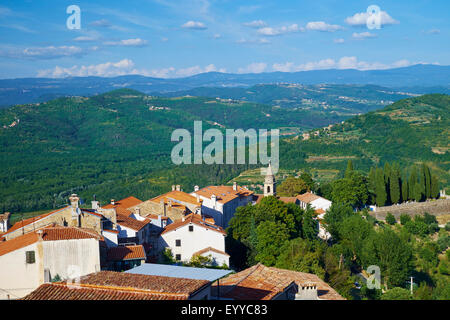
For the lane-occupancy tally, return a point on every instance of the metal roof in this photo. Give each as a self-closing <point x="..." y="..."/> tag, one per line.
<point x="155" y="269"/>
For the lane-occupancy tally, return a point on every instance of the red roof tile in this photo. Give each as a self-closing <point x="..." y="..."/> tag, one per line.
<point x="131" y="223"/>
<point x="264" y="283"/>
<point x="195" y="219"/>
<point x="126" y="253"/>
<point x="224" y="194"/>
<point x="62" y="291"/>
<point x="124" y="203"/>
<point x="48" y="234"/>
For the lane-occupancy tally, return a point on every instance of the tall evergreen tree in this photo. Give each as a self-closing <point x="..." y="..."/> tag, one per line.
<point x="412" y="183"/>
<point x="434" y="187"/>
<point x="404" y="189"/>
<point x="387" y="176"/>
<point x="427" y="180"/>
<point x="380" y="191"/>
<point x="349" y="169"/>
<point x="394" y="184"/>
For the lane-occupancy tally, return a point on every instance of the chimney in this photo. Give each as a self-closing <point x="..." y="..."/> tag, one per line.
<point x="173" y="187"/>
<point x="95" y="205"/>
<point x="213" y="199"/>
<point x="178" y="187"/>
<point x="234" y="185"/>
<point x="307" y="291"/>
<point x="196" y="188"/>
<point x="39" y="232"/>
<point x="137" y="211"/>
<point x="113" y="202"/>
<point x="74" y="200"/>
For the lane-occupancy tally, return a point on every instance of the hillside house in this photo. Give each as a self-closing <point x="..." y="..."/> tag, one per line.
<point x="193" y="235"/>
<point x="29" y="260"/>
<point x="267" y="283"/>
<point x="221" y="202"/>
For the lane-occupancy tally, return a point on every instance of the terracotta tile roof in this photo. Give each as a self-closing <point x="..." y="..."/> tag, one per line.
<point x="195" y="219"/>
<point x="224" y="194"/>
<point x="18" y="243"/>
<point x="28" y="221"/>
<point x="61" y="291"/>
<point x="109" y="285"/>
<point x="307" y="197"/>
<point x="319" y="211"/>
<point x="48" y="234"/>
<point x="124" y="203"/>
<point x="177" y="196"/>
<point x="288" y="199"/>
<point x="264" y="283"/>
<point x="67" y="233"/>
<point x="208" y="249"/>
<point x="131" y="223"/>
<point x="126" y="253"/>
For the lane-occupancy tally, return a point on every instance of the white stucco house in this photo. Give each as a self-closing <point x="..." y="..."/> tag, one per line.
<point x="320" y="205"/>
<point x="29" y="260"/>
<point x="195" y="236"/>
<point x="221" y="202"/>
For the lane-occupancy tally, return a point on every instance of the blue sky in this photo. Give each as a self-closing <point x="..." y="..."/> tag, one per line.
<point x="163" y="38"/>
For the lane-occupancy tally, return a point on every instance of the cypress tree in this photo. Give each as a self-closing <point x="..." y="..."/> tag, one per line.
<point x="405" y="189"/>
<point x="349" y="169"/>
<point x="394" y="184"/>
<point x="412" y="184"/>
<point x="434" y="187"/>
<point x="427" y="176"/>
<point x="380" y="191"/>
<point x="387" y="176"/>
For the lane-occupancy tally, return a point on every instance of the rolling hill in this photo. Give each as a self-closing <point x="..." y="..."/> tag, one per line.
<point x="422" y="79"/>
<point x="118" y="144"/>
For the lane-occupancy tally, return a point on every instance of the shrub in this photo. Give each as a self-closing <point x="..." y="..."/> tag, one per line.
<point x="390" y="219"/>
<point x="404" y="218"/>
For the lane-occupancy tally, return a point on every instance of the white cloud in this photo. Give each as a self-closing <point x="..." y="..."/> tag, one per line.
<point x="360" y="19"/>
<point x="85" y="38"/>
<point x="269" y="31"/>
<point x="256" y="67"/>
<point x="339" y="40"/>
<point x="123" y="67"/>
<point x="100" y="23"/>
<point x="255" y="24"/>
<point x="348" y="62"/>
<point x="195" y="25"/>
<point x="253" y="41"/>
<point x="322" y="26"/>
<point x="363" y="35"/>
<point x="50" y="52"/>
<point x="138" y="42"/>
<point x="434" y="31"/>
<point x="217" y="36"/>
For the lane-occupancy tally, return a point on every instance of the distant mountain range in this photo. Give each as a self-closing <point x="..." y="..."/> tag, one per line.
<point x="415" y="79"/>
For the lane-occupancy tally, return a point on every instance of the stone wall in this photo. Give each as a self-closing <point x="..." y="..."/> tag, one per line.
<point x="435" y="207"/>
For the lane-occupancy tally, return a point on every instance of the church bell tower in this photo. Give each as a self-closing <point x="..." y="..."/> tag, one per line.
<point x="270" y="183"/>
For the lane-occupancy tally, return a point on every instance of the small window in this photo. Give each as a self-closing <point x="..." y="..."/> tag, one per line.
<point x="178" y="257"/>
<point x="178" y="243"/>
<point x="30" y="257"/>
<point x="191" y="228"/>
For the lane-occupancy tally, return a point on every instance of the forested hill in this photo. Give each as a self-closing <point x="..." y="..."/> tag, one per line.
<point x="408" y="131"/>
<point x="118" y="144"/>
